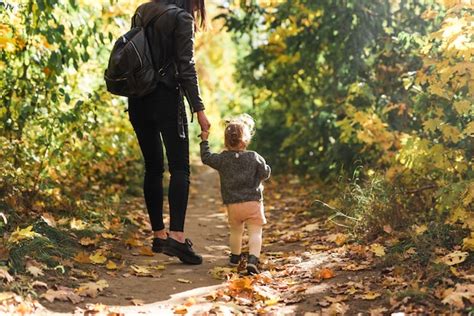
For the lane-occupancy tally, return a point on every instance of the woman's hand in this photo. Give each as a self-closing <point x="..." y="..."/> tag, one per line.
<point x="204" y="135"/>
<point x="203" y="121"/>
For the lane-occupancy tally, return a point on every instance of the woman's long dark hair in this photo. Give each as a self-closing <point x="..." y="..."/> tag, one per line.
<point x="198" y="10"/>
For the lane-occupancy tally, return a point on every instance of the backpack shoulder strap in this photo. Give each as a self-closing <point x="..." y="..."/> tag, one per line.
<point x="159" y="11"/>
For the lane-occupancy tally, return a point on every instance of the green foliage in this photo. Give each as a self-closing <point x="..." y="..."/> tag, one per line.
<point x="62" y="137"/>
<point x="379" y="84"/>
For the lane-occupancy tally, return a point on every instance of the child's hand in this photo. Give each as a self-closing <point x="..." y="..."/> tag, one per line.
<point x="204" y="135"/>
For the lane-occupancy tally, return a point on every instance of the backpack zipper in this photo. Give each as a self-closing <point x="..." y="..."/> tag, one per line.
<point x="136" y="51"/>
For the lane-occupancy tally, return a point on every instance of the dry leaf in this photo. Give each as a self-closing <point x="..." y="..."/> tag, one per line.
<point x="63" y="294"/>
<point x="324" y="273"/>
<point x="370" y="296"/>
<point x="39" y="284"/>
<point x="137" y="302"/>
<point x="92" y="289"/>
<point x="86" y="241"/>
<point x="82" y="257"/>
<point x="140" y="270"/>
<point x="5" y="275"/>
<point x="133" y="242"/>
<point x="49" y="219"/>
<point x="454" y="258"/>
<point x="183" y="281"/>
<point x="338" y="239"/>
<point x="98" y="258"/>
<point x="146" y="251"/>
<point x="456" y="296"/>
<point x="35" y="271"/>
<point x="180" y="310"/>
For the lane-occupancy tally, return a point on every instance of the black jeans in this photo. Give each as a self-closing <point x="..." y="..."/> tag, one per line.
<point x="155" y="121"/>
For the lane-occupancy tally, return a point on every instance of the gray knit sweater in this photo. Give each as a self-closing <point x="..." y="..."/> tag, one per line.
<point x="241" y="173"/>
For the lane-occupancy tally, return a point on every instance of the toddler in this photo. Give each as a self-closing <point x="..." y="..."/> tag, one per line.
<point x="241" y="174"/>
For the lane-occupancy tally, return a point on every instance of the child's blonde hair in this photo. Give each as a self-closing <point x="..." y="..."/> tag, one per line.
<point x="239" y="131"/>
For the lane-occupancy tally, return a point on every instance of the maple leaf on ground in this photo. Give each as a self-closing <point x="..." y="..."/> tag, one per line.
<point x="339" y="239"/>
<point x="140" y="270"/>
<point x="322" y="274"/>
<point x="87" y="241"/>
<point x="62" y="294"/>
<point x="98" y="258"/>
<point x="77" y="224"/>
<point x="82" y="257"/>
<point x="92" y="289"/>
<point x="111" y="265"/>
<point x="336" y="309"/>
<point x="456" y="296"/>
<point x="241" y="284"/>
<point x="35" y="271"/>
<point x="21" y="234"/>
<point x="6" y="276"/>
<point x="146" y="251"/>
<point x="378" y="250"/>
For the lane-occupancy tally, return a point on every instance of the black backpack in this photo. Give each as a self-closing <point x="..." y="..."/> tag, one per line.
<point x="130" y="72"/>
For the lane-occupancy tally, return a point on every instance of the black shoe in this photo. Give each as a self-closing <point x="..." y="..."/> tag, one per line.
<point x="183" y="251"/>
<point x="158" y="245"/>
<point x="234" y="260"/>
<point x="252" y="265"/>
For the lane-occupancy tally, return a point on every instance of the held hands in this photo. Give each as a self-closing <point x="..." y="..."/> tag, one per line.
<point x="204" y="123"/>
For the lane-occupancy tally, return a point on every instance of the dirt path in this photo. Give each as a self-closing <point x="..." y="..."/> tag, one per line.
<point x="207" y="228"/>
<point x="310" y="267"/>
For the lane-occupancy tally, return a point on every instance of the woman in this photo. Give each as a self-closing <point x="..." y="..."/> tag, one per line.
<point x="160" y="118"/>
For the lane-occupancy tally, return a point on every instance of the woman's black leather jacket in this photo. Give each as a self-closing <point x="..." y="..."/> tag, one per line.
<point x="171" y="40"/>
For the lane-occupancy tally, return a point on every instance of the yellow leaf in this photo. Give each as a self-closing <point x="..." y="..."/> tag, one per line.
<point x="98" y="258"/>
<point x="370" y="296"/>
<point x="454" y="258"/>
<point x="378" y="250"/>
<point x="451" y="133"/>
<point x="77" y="224"/>
<point x="468" y="243"/>
<point x="146" y="251"/>
<point x="111" y="265"/>
<point x="463" y="106"/>
<point x="140" y="270"/>
<point x="21" y="234"/>
<point x="272" y="301"/>
<point x="420" y="229"/>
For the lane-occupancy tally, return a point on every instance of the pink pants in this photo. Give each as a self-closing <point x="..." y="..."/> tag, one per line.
<point x="252" y="214"/>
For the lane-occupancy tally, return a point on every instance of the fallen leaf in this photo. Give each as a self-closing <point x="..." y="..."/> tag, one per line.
<point x="370" y="296"/>
<point x="98" y="258"/>
<point x="21" y="234"/>
<point x="146" y="251"/>
<point x="180" y="310"/>
<point x="49" y="219"/>
<point x="338" y="239"/>
<point x="454" y="258"/>
<point x="324" y="273"/>
<point x="159" y="267"/>
<point x="137" y="302"/>
<point x="6" y="276"/>
<point x="63" y="294"/>
<point x="35" y="271"/>
<point x="220" y="273"/>
<point x="111" y="265"/>
<point x="336" y="309"/>
<point x="86" y="241"/>
<point x="39" y="284"/>
<point x="388" y="229"/>
<point x="108" y="236"/>
<point x="456" y="296"/>
<point x="92" y="289"/>
<point x="140" y="270"/>
<point x="183" y="281"/>
<point x="420" y="229"/>
<point x="77" y="224"/>
<point x="82" y="257"/>
<point x="378" y="250"/>
<point x="133" y="242"/>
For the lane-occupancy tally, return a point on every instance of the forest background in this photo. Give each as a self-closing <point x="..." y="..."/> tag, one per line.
<point x="370" y="102"/>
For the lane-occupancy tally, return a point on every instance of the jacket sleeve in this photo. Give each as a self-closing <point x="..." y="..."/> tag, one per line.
<point x="263" y="170"/>
<point x="208" y="158"/>
<point x="187" y="75"/>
